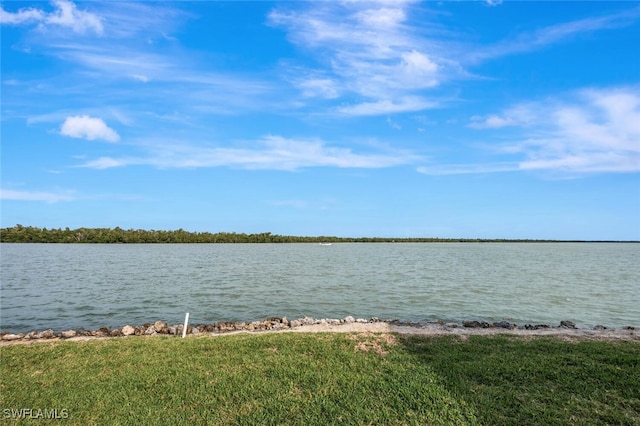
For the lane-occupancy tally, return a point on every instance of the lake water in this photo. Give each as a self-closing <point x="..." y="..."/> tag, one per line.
<point x="64" y="286"/>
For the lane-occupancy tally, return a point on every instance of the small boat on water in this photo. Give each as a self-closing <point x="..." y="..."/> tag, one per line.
<point x="325" y="244"/>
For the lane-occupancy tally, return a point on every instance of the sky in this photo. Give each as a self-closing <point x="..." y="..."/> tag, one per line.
<point x="452" y="119"/>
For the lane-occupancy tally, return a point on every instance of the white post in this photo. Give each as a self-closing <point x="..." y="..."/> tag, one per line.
<point x="184" y="328"/>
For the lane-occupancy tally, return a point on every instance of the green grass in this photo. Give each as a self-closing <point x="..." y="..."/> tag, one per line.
<point x="324" y="379"/>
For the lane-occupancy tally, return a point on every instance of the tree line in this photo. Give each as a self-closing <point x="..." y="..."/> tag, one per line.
<point x="30" y="234"/>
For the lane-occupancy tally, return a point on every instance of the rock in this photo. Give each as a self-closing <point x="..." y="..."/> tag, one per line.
<point x="127" y="330"/>
<point x="103" y="331"/>
<point x="535" y="327"/>
<point x="505" y="324"/>
<point x="295" y="323"/>
<point x="47" y="334"/>
<point x="475" y="324"/>
<point x="307" y="321"/>
<point x="173" y="330"/>
<point x="161" y="327"/>
<point x="195" y="330"/>
<point x="334" y="321"/>
<point x="68" y="334"/>
<point x="361" y="321"/>
<point x="10" y="337"/>
<point x="349" y="319"/>
<point x="374" y="319"/>
<point x="567" y="324"/>
<point x="32" y="335"/>
<point x="599" y="327"/>
<point x="285" y="321"/>
<point x="451" y="325"/>
<point x="116" y="332"/>
<point x="150" y="331"/>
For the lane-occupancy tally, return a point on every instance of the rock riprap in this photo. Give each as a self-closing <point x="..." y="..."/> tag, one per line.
<point x="269" y="324"/>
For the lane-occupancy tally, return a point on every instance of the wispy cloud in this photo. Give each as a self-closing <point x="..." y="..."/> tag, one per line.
<point x="269" y="153"/>
<point x="602" y="134"/>
<point x="47" y="197"/>
<point x="536" y="39"/>
<point x="366" y="50"/>
<point x="589" y="131"/>
<point x="85" y="127"/>
<point x="387" y="106"/>
<point x="65" y="14"/>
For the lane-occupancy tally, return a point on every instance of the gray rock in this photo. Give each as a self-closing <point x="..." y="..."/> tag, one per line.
<point x="161" y="327"/>
<point x="47" y="334"/>
<point x="195" y="330"/>
<point x="535" y="327"/>
<point x="361" y="321"/>
<point x="599" y="327"/>
<point x="374" y="319"/>
<point x="504" y="324"/>
<point x="127" y="330"/>
<point x="475" y="324"/>
<point x="150" y="331"/>
<point x="68" y="334"/>
<point x="295" y="323"/>
<point x="307" y="321"/>
<point x="11" y="336"/>
<point x="349" y="319"/>
<point x="32" y="335"/>
<point x="567" y="324"/>
<point x="451" y="325"/>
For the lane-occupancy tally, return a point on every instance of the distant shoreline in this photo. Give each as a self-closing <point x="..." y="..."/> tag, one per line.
<point x="30" y="234"/>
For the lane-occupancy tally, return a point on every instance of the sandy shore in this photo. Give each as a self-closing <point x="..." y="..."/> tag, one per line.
<point x="423" y="329"/>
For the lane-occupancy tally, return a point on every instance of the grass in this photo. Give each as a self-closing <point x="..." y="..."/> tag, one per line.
<point x="325" y="379"/>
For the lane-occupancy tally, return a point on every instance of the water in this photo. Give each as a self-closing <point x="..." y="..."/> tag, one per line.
<point x="91" y="286"/>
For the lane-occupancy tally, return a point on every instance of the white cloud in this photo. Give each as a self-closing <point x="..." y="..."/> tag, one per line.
<point x="369" y="52"/>
<point x="22" y="16"/>
<point x="528" y="41"/>
<point x="269" y="153"/>
<point x="319" y="87"/>
<point x="491" y="122"/>
<point x="83" y="126"/>
<point x="48" y="197"/>
<point x="385" y="106"/>
<point x="590" y="131"/>
<point x="66" y="14"/>
<point x="382" y="17"/>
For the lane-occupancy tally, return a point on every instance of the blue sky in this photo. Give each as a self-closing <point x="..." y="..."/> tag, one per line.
<point x="348" y="118"/>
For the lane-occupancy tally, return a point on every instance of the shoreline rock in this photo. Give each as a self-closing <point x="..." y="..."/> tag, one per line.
<point x="325" y="324"/>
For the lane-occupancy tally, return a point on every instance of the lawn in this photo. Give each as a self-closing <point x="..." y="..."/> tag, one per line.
<point x="322" y="379"/>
